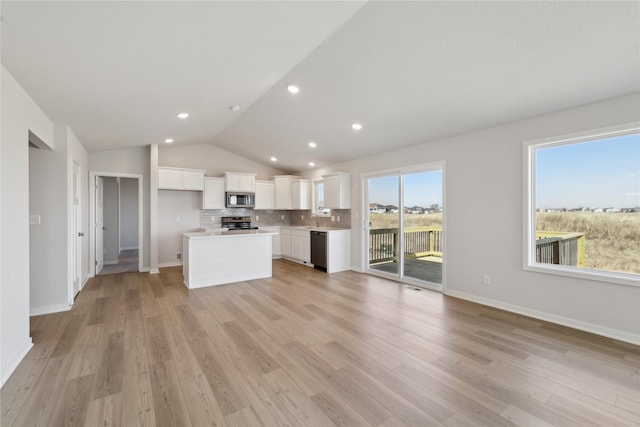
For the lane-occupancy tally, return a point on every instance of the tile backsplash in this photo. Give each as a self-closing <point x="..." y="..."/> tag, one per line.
<point x="212" y="218"/>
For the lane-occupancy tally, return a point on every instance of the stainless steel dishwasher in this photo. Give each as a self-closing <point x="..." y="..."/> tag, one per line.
<point x="319" y="250"/>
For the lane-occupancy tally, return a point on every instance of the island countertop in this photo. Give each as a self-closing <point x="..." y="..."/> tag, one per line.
<point x="224" y="232"/>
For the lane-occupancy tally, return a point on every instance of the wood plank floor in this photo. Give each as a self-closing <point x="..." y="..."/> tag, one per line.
<point x="309" y="349"/>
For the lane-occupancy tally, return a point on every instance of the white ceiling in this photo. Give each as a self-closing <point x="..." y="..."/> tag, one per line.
<point x="410" y="72"/>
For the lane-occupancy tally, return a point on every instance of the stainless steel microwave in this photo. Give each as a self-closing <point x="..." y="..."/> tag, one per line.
<point x="241" y="200"/>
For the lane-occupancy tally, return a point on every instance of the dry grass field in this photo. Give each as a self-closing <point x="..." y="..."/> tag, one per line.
<point x="612" y="240"/>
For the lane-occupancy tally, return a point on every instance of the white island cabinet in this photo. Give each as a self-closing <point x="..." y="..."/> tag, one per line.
<point x="216" y="258"/>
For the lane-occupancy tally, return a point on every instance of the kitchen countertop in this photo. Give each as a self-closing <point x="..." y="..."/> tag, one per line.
<point x="223" y="232"/>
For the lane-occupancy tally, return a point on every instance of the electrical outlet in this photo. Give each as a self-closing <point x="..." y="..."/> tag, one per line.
<point x="178" y="255"/>
<point x="282" y="217"/>
<point x="34" y="219"/>
<point x="301" y="217"/>
<point x="333" y="218"/>
<point x="486" y="280"/>
<point x="338" y="218"/>
<point x="257" y="217"/>
<point x="212" y="218"/>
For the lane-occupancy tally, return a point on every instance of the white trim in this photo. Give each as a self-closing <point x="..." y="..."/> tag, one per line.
<point x="153" y="270"/>
<point x="529" y="192"/>
<point x="48" y="309"/>
<point x="170" y="264"/>
<point x="15" y="361"/>
<point x="548" y="317"/>
<point x="129" y="248"/>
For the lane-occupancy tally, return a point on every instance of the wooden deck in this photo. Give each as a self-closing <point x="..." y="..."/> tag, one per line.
<point x="305" y="348"/>
<point x="425" y="269"/>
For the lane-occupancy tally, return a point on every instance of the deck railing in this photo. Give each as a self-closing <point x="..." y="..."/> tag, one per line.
<point x="418" y="242"/>
<point x="558" y="247"/>
<point x="563" y="248"/>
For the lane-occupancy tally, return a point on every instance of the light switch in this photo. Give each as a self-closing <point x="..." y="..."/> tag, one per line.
<point x="34" y="219"/>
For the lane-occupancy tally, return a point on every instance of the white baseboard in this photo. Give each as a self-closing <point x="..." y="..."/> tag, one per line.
<point x="110" y="262"/>
<point x="541" y="315"/>
<point x="13" y="363"/>
<point x="48" y="309"/>
<point x="128" y="248"/>
<point x="357" y="269"/>
<point x="170" y="264"/>
<point x="153" y="270"/>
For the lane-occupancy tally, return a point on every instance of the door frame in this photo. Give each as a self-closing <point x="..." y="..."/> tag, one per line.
<point x="92" y="216"/>
<point x="401" y="171"/>
<point x="76" y="226"/>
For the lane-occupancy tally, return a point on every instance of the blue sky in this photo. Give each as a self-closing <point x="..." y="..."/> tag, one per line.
<point x="421" y="189"/>
<point x="602" y="173"/>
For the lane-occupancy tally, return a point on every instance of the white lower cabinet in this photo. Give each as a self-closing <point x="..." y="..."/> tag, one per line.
<point x="285" y="242"/>
<point x="301" y="245"/>
<point x="276" y="241"/>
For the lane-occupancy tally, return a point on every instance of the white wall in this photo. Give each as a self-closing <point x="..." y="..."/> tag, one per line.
<point x="215" y="161"/>
<point x="484" y="221"/>
<point x="48" y="240"/>
<point x="111" y="211"/>
<point x="172" y="205"/>
<point x="129" y="161"/>
<point x="128" y="213"/>
<point x="19" y="115"/>
<point x="50" y="243"/>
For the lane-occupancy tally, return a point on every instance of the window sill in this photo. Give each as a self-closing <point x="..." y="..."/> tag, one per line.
<point x="627" y="279"/>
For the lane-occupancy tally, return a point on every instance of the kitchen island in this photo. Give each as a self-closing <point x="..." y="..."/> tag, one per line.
<point x="218" y="257"/>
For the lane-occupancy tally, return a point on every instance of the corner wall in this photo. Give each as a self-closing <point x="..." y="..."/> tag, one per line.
<point x="20" y="114"/>
<point x="484" y="221"/>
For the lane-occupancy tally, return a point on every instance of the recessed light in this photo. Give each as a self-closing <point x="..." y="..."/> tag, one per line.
<point x="356" y="126"/>
<point x="182" y="115"/>
<point x="168" y="140"/>
<point x="293" y="89"/>
<point x="234" y="108"/>
<point x="312" y="164"/>
<point x="312" y="144"/>
<point x="274" y="159"/>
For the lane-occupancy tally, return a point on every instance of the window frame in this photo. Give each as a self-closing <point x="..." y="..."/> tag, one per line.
<point x="529" y="257"/>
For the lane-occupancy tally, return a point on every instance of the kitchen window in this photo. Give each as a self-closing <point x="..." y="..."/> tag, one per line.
<point x="582" y="209"/>
<point x="318" y="199"/>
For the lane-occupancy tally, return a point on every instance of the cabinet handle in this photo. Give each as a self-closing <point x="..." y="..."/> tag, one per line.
<point x="80" y="234"/>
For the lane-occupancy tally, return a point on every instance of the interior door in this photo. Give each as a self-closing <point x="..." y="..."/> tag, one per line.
<point x="78" y="234"/>
<point x="99" y="232"/>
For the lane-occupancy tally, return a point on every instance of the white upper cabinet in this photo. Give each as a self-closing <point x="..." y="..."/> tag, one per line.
<point x="301" y="194"/>
<point x="180" y="179"/>
<point x="282" y="185"/>
<point x="265" y="195"/>
<point x="240" y="182"/>
<point x="337" y="191"/>
<point x="213" y="195"/>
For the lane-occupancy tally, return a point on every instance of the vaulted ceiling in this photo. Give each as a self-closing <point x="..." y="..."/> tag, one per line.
<point x="409" y="72"/>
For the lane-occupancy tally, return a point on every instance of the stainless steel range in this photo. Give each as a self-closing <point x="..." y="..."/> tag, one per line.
<point x="237" y="223"/>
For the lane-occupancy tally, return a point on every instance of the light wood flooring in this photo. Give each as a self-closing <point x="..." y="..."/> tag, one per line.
<point x="309" y="349"/>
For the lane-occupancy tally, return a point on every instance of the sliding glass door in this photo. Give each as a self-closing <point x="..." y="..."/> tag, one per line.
<point x="405" y="225"/>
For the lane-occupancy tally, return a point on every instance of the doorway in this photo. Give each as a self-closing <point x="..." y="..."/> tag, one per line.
<point x="405" y="225"/>
<point x="116" y="215"/>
